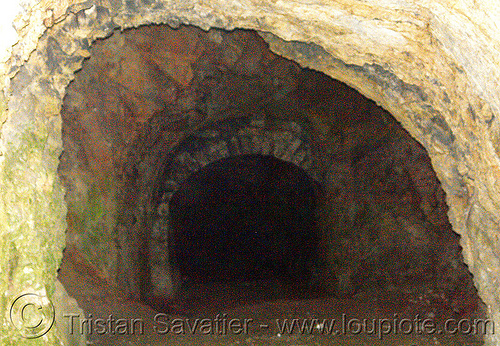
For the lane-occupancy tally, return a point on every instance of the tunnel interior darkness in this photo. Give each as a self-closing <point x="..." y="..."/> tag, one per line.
<point x="199" y="162"/>
<point x="244" y="218"/>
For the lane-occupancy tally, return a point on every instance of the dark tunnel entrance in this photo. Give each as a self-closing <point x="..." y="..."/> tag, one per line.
<point x="246" y="218"/>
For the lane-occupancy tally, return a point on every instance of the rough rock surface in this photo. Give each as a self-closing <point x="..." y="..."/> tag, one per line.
<point x="434" y="66"/>
<point x="143" y="89"/>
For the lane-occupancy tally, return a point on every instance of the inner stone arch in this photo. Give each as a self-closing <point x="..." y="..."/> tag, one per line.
<point x="260" y="146"/>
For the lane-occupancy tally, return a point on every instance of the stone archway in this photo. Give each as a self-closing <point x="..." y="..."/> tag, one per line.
<point x="233" y="138"/>
<point x="437" y="91"/>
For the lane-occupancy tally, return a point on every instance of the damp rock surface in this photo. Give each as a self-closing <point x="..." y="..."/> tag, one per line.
<point x="136" y="125"/>
<point x="153" y="106"/>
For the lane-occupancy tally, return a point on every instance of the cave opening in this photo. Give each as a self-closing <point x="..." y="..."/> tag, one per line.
<point x="206" y="174"/>
<point x="244" y="220"/>
<point x="240" y="217"/>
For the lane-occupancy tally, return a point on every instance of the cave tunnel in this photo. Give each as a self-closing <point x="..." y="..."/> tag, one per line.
<point x="245" y="217"/>
<point x="246" y="220"/>
<point x="206" y="174"/>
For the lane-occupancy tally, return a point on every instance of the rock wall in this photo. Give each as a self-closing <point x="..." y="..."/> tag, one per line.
<point x="153" y="105"/>
<point x="433" y="66"/>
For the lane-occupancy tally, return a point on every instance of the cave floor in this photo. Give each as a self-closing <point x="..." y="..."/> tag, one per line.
<point x="234" y="303"/>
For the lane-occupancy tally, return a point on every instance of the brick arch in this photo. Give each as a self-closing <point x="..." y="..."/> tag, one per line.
<point x="285" y="141"/>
